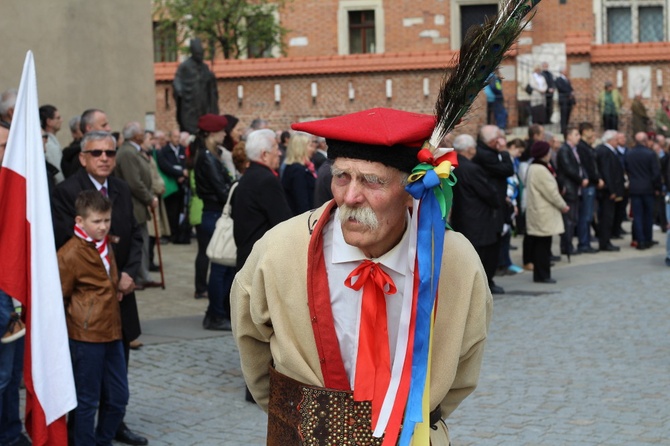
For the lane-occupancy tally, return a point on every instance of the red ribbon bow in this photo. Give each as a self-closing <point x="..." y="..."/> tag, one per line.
<point x="373" y="361"/>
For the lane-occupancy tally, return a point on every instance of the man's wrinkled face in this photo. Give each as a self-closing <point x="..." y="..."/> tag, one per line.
<point x="373" y="204"/>
<point x="99" y="167"/>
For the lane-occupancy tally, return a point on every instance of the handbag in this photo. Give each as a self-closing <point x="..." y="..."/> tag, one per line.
<point x="529" y="89"/>
<point x="221" y="248"/>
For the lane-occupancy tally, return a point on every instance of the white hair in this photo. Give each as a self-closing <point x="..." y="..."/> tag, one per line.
<point x="488" y="133"/>
<point x="8" y="100"/>
<point x="610" y="135"/>
<point x="464" y="142"/>
<point x="131" y="129"/>
<point x="258" y="142"/>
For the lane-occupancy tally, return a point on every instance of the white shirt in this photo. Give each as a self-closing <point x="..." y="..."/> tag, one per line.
<point x="98" y="185"/>
<point x="341" y="259"/>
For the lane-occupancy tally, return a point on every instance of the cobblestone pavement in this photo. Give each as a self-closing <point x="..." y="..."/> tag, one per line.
<point x="583" y="362"/>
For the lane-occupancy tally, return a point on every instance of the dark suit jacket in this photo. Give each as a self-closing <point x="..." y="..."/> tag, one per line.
<point x="564" y="88"/>
<point x="644" y="171"/>
<point x="568" y="173"/>
<point x="169" y="163"/>
<point x="550" y="82"/>
<point x="610" y="170"/>
<point x="128" y="247"/>
<point x="587" y="155"/>
<point x="258" y="204"/>
<point x="318" y="159"/>
<point x="475" y="204"/>
<point x="498" y="166"/>
<point x="298" y="183"/>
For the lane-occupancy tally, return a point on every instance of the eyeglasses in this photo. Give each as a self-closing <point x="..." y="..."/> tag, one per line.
<point x="98" y="153"/>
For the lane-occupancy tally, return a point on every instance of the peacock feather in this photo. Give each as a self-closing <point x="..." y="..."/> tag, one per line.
<point x="482" y="50"/>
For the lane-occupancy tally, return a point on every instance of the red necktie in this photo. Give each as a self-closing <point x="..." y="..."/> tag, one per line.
<point x="373" y="361"/>
<point x="103" y="191"/>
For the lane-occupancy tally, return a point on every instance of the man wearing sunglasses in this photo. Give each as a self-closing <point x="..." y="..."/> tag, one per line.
<point x="98" y="159"/>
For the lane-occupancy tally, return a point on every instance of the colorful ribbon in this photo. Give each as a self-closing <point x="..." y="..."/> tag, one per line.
<point x="430" y="183"/>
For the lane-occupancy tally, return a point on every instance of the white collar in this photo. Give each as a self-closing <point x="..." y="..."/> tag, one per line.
<point x="395" y="259"/>
<point x="134" y="144"/>
<point x="98" y="185"/>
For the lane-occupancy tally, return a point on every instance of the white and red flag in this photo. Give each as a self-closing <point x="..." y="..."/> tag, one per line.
<point x="29" y="269"/>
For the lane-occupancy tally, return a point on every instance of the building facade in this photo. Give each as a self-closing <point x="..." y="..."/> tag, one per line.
<point x="348" y="55"/>
<point x="87" y="55"/>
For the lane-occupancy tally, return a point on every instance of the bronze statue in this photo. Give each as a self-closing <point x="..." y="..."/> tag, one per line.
<point x="195" y="89"/>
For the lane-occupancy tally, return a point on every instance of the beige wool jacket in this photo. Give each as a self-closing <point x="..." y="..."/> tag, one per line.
<point x="271" y="319"/>
<point x="544" y="203"/>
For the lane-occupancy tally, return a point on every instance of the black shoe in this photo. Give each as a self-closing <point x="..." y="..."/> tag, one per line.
<point x="154" y="268"/>
<point x="495" y="289"/>
<point x="642" y="246"/>
<point x="545" y="281"/>
<point x="587" y="250"/>
<point x="610" y="248"/>
<point x="513" y="248"/>
<point x="555" y="258"/>
<point x="654" y="242"/>
<point x="125" y="435"/>
<point x="218" y="324"/>
<point x="206" y="321"/>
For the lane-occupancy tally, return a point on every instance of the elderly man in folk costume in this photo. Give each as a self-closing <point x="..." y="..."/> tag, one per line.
<point x="363" y="322"/>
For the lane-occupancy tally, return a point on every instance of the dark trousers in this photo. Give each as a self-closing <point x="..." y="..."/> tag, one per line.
<point x="201" y="259"/>
<point x="527" y="250"/>
<point x="220" y="276"/>
<point x="610" y="122"/>
<point x="606" y="208"/>
<point x="11" y="371"/>
<point x="99" y="369"/>
<point x="550" y="107"/>
<point x="540" y="257"/>
<point x="619" y="216"/>
<point x="565" y="106"/>
<point x="174" y="205"/>
<point x="643" y="212"/>
<point x="489" y="256"/>
<point x="570" y="219"/>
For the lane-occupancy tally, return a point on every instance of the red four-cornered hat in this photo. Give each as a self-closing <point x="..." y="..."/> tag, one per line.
<point x="391" y="137"/>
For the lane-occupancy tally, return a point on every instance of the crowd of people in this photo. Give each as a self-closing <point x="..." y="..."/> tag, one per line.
<point x="155" y="187"/>
<point x="581" y="188"/>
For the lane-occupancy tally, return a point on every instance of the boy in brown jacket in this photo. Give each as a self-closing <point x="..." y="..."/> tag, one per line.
<point x="89" y="280"/>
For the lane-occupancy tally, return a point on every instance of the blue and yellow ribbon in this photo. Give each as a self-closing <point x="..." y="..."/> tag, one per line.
<point x="430" y="183"/>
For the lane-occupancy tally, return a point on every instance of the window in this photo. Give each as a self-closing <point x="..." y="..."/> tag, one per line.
<point x="360" y="27"/>
<point x="475" y="15"/>
<point x="361" y="32"/>
<point x="627" y="21"/>
<point x="165" y="41"/>
<point x="466" y="13"/>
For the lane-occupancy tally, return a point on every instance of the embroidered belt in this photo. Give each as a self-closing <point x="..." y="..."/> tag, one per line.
<point x="304" y="415"/>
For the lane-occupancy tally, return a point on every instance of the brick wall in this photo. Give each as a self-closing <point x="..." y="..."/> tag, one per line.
<point x="332" y="98"/>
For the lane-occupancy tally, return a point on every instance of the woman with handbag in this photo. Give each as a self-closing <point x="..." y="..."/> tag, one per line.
<point x="212" y="185"/>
